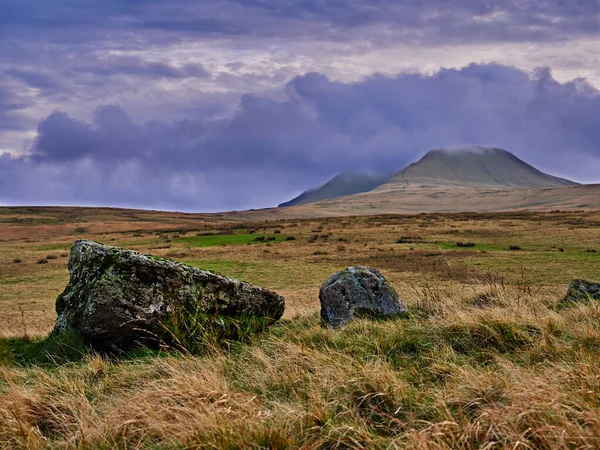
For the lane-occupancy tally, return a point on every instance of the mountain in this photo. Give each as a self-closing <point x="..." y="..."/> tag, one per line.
<point x="472" y="167"/>
<point x="341" y="185"/>
<point x="465" y="167"/>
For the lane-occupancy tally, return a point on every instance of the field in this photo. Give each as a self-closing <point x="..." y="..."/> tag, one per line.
<point x="484" y="359"/>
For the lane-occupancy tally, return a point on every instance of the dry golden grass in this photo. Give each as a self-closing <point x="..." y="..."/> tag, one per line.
<point x="484" y="360"/>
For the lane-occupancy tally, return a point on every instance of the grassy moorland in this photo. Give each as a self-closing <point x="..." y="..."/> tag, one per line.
<point x="483" y="360"/>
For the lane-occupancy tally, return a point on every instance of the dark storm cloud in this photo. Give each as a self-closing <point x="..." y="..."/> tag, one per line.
<point x="421" y="20"/>
<point x="272" y="148"/>
<point x="34" y="78"/>
<point x="535" y="116"/>
<point x="508" y="19"/>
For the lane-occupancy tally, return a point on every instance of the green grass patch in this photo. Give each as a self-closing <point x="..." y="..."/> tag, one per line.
<point x="53" y="350"/>
<point x="57" y="246"/>
<point x="229" y="239"/>
<point x="235" y="269"/>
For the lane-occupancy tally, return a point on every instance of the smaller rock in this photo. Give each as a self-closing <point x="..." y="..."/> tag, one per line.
<point x="357" y="291"/>
<point x="581" y="291"/>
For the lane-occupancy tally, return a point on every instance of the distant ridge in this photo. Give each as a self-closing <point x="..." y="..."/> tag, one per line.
<point x="343" y="184"/>
<point x="472" y="167"/>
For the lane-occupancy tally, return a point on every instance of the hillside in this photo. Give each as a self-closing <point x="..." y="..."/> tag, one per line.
<point x="472" y="167"/>
<point x="343" y="184"/>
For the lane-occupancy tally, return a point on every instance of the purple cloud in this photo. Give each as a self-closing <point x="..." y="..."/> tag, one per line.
<point x="271" y="148"/>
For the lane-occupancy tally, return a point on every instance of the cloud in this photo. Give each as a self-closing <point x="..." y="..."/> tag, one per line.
<point x="74" y="55"/>
<point x="273" y="147"/>
<point x="10" y="107"/>
<point x="432" y="20"/>
<point x="134" y="66"/>
<point x="504" y="19"/>
<point x="34" y="78"/>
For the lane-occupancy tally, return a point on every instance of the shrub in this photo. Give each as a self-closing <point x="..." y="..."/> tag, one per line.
<point x="43" y="261"/>
<point x="409" y="240"/>
<point x="290" y="238"/>
<point x="465" y="244"/>
<point x="485" y="299"/>
<point x="50" y="257"/>
<point x="514" y="247"/>
<point x="17" y="261"/>
<point x="259" y="239"/>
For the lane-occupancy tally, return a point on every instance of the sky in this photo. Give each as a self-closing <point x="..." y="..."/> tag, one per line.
<point x="197" y="105"/>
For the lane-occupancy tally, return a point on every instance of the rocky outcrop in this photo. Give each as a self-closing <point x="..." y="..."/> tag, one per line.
<point x="117" y="297"/>
<point x="581" y="291"/>
<point x="357" y="291"/>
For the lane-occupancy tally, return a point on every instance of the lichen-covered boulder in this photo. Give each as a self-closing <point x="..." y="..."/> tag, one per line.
<point x="117" y="297"/>
<point x="357" y="291"/>
<point x="581" y="291"/>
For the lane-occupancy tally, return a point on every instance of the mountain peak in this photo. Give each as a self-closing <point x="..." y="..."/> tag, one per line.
<point x="472" y="167"/>
<point x="472" y="150"/>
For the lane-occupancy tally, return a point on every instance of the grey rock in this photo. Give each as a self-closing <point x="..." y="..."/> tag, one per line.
<point x="357" y="291"/>
<point x="116" y="297"/>
<point x="581" y="291"/>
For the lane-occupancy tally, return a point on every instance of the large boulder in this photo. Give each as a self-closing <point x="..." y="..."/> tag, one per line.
<point x="581" y="291"/>
<point x="357" y="291"/>
<point x="118" y="297"/>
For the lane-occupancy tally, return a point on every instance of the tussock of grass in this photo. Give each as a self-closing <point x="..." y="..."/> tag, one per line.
<point x="192" y="330"/>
